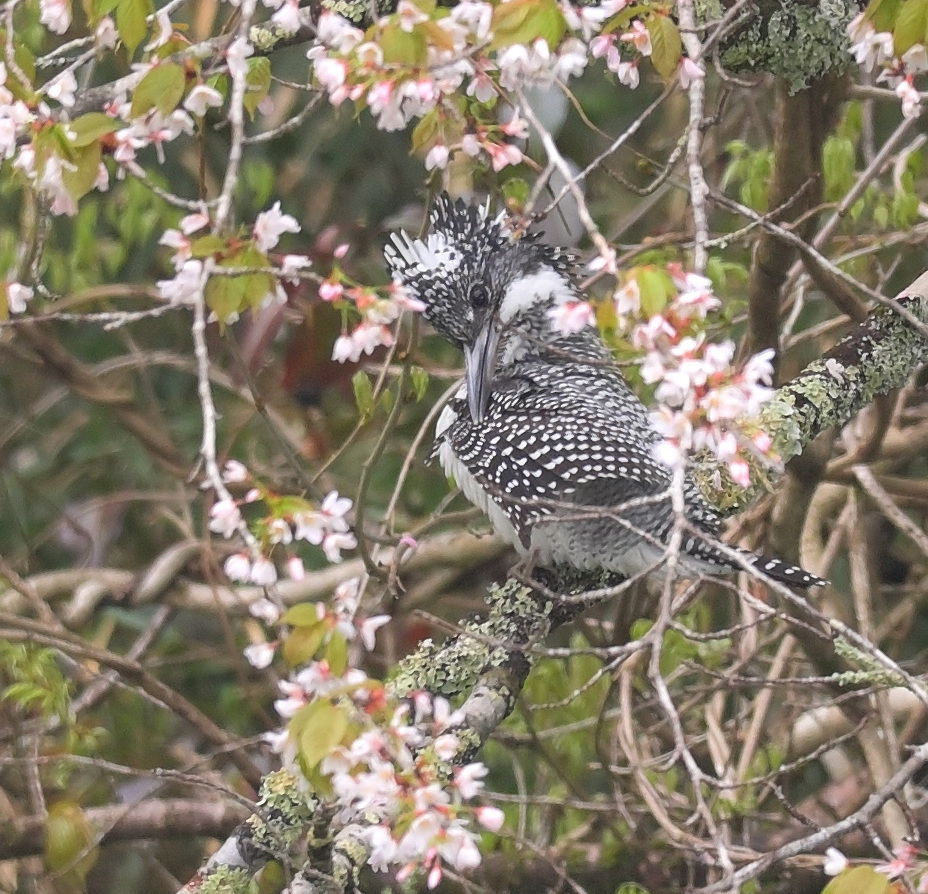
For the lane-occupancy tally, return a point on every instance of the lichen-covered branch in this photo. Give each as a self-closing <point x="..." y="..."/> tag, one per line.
<point x="878" y="356"/>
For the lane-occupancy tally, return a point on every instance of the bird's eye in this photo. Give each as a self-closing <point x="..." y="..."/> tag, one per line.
<point x="479" y="296"/>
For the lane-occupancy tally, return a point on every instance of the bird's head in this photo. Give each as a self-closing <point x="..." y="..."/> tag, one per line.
<point x="475" y="276"/>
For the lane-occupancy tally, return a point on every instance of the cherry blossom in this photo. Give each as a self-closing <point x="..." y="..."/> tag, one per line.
<point x="271" y="225"/>
<point x="491" y="818"/>
<point x="288" y="16"/>
<point x="225" y="517"/>
<point x="911" y="101"/>
<point x="638" y="37"/>
<point x="201" y="98"/>
<point x="105" y="34"/>
<point x="62" y="88"/>
<point x="260" y="655"/>
<point x="334" y="543"/>
<point x="185" y="286"/>
<point x="903" y="860"/>
<point x="295" y="568"/>
<point x="690" y="71"/>
<point x="264" y="610"/>
<point x="238" y="567"/>
<point x="572" y="316"/>
<point x="55" y="15"/>
<point x="17" y="296"/>
<point x="365" y="338"/>
<point x="331" y="291"/>
<point x="437" y="157"/>
<point x="870" y="47"/>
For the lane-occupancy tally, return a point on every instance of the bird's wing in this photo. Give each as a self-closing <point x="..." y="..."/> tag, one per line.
<point x="579" y="437"/>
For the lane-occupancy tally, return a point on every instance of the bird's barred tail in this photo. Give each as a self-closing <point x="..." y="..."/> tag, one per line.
<point x="792" y="575"/>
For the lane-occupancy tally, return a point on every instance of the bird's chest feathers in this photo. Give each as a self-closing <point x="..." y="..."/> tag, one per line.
<point x="454" y="468"/>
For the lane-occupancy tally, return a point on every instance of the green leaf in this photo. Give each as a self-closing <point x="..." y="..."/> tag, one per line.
<point x="910" y="25"/>
<point x="858" y="880"/>
<point x="666" y="46"/>
<point x="306" y="614"/>
<point x="516" y="192"/>
<point x="425" y="133"/>
<point x="225" y="296"/>
<point x="363" y="394"/>
<point x="90" y="127"/>
<point x="207" y="246"/>
<point x="882" y="13"/>
<point x="630" y="888"/>
<point x="302" y="644"/>
<point x="655" y="287"/>
<point x="839" y="159"/>
<point x="99" y="8"/>
<point x="337" y="653"/>
<point x="68" y="835"/>
<point x="524" y="21"/>
<point x="322" y="728"/>
<point x="130" y="22"/>
<point x="881" y="216"/>
<point x="420" y="381"/>
<point x="258" y="82"/>
<point x="80" y="179"/>
<point x="401" y="47"/>
<point x="675" y="649"/>
<point x="161" y="89"/>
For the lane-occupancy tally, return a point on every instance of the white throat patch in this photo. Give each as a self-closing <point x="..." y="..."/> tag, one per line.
<point x="533" y="289"/>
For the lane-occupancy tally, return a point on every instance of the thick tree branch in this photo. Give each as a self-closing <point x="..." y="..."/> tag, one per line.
<point x="157" y="818"/>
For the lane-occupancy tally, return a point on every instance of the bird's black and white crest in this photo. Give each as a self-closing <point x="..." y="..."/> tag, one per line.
<point x="462" y="268"/>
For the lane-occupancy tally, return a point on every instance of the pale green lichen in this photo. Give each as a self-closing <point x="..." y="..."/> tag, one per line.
<point x="284" y="812"/>
<point x="267" y="35"/>
<point x="869" y="672"/>
<point x="226" y="880"/>
<point x="485" y="642"/>
<point x="358" y="11"/>
<point x="799" y="42"/>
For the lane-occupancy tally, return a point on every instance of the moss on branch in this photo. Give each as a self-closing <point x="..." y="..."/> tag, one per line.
<point x="799" y="42"/>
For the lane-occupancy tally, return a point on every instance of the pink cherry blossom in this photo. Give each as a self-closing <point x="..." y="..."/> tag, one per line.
<point x="17" y="296"/>
<point x="225" y="517"/>
<point x="260" y="655"/>
<point x="237" y="567"/>
<point x="263" y="572"/>
<point x="271" y="225"/>
<point x="572" y="316"/>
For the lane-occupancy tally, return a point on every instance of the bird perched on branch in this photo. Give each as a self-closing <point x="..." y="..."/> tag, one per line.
<point x="545" y="435"/>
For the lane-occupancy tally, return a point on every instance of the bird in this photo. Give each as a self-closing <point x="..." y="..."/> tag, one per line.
<point x="544" y="434"/>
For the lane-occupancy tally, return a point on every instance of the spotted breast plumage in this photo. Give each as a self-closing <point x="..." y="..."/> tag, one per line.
<point x="544" y="434"/>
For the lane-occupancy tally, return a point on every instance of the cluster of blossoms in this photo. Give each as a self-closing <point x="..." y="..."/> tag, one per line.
<point x="908" y="864"/>
<point x="387" y="769"/>
<point x="876" y="49"/>
<point x="377" y="309"/>
<point x="47" y="171"/>
<point x="410" y="65"/>
<point x="319" y="624"/>
<point x="289" y="519"/>
<point x="190" y="253"/>
<point x="704" y="405"/>
<point x="61" y="157"/>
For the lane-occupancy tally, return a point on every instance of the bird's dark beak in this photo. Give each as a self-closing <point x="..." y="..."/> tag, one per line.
<point x="479" y="364"/>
